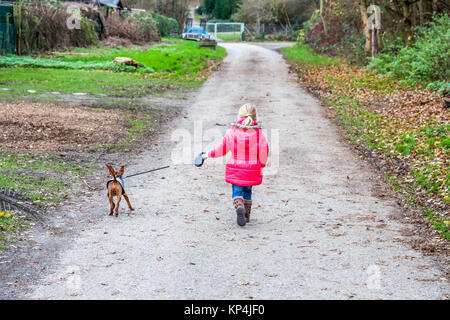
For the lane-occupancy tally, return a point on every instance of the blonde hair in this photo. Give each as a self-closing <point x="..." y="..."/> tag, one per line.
<point x="247" y="111"/>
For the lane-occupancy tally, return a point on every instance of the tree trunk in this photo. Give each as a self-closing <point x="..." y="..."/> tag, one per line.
<point x="365" y="21"/>
<point x="407" y="24"/>
<point x="258" y="22"/>
<point x="379" y="41"/>
<point x="325" y="28"/>
<point x="420" y="8"/>
<point x="434" y="5"/>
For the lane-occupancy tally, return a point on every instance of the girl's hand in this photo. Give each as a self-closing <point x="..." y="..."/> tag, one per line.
<point x="199" y="159"/>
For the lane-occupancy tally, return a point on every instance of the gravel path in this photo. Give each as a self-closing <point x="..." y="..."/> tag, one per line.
<point x="318" y="231"/>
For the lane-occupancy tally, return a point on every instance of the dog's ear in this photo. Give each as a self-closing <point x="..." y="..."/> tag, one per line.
<point x="121" y="171"/>
<point x="111" y="170"/>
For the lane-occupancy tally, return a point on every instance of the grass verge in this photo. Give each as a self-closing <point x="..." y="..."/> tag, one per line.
<point x="179" y="64"/>
<point x="40" y="177"/>
<point x="10" y="225"/>
<point x="405" y="127"/>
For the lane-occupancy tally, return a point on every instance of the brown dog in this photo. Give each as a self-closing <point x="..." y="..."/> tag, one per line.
<point x="116" y="187"/>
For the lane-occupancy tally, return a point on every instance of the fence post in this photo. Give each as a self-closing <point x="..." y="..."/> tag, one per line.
<point x="8" y="36"/>
<point x="374" y="43"/>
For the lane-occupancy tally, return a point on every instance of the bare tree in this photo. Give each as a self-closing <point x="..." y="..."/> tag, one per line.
<point x="321" y="13"/>
<point x="365" y="21"/>
<point x="255" y="13"/>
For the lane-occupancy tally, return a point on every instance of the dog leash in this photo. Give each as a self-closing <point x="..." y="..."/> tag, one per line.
<point x="137" y="174"/>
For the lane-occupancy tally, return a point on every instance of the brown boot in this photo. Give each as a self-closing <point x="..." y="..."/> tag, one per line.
<point x="248" y="209"/>
<point x="238" y="203"/>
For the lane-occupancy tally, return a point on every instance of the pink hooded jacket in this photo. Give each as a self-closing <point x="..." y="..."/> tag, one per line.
<point x="249" y="152"/>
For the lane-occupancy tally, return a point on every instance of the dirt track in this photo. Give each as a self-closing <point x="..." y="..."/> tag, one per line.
<point x="319" y="230"/>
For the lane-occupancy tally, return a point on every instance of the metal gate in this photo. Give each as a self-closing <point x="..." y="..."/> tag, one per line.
<point x="8" y="37"/>
<point x="221" y="31"/>
<point x="226" y="31"/>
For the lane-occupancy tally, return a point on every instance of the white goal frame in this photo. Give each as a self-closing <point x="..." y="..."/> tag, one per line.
<point x="217" y="27"/>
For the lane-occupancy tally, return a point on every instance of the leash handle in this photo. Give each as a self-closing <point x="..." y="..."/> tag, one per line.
<point x="137" y="174"/>
<point x="198" y="161"/>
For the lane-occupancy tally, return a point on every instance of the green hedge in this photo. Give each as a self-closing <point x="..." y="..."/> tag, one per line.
<point x="166" y="26"/>
<point x="426" y="62"/>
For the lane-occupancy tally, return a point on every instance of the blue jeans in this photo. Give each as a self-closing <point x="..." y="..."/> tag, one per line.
<point x="240" y="191"/>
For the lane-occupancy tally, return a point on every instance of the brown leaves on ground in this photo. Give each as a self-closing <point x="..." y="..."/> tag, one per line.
<point x="382" y="95"/>
<point x="415" y="107"/>
<point x="406" y="128"/>
<point x="52" y="127"/>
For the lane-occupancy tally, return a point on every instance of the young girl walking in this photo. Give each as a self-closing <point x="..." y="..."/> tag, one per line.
<point x="249" y="152"/>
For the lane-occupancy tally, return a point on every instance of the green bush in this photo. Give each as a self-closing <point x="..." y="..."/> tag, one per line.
<point x="85" y="36"/>
<point x="42" y="26"/>
<point x="148" y="27"/>
<point x="441" y="87"/>
<point x="138" y="29"/>
<point x="426" y="61"/>
<point x="166" y="26"/>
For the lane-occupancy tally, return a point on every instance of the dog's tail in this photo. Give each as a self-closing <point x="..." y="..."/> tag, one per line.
<point x="112" y="172"/>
